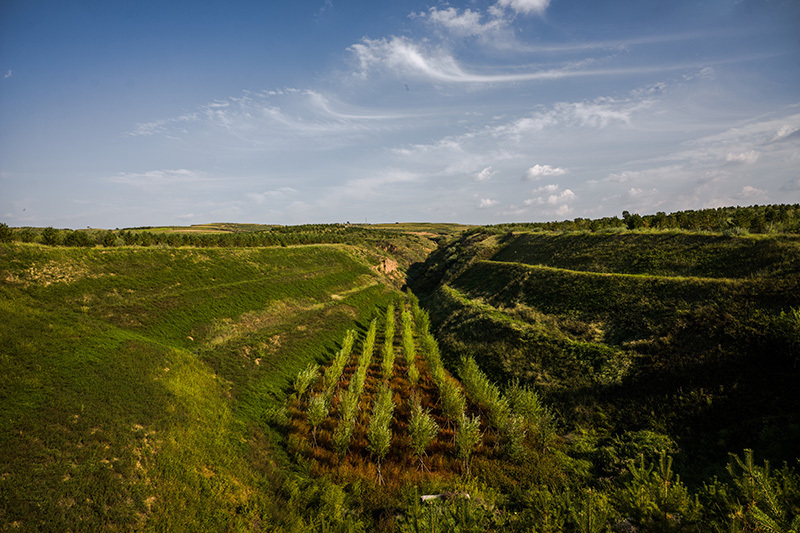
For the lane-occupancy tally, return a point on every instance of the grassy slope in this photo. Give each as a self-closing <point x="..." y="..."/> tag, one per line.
<point x="661" y="253"/>
<point x="130" y="375"/>
<point x="692" y="356"/>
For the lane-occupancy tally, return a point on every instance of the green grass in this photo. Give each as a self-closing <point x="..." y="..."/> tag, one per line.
<point x="659" y="349"/>
<point x="138" y="383"/>
<point x="144" y="388"/>
<point x="666" y="253"/>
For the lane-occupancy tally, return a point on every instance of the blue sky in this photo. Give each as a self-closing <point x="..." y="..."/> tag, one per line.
<point x="117" y="114"/>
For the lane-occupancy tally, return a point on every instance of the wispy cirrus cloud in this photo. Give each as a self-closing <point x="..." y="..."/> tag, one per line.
<point x="275" y="119"/>
<point x="281" y="194"/>
<point x="154" y="180"/>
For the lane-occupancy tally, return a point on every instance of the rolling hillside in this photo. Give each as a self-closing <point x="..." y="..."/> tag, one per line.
<point x="690" y="335"/>
<point x="255" y="378"/>
<point x="136" y="381"/>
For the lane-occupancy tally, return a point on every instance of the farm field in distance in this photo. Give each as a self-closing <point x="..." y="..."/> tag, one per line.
<point x="633" y="374"/>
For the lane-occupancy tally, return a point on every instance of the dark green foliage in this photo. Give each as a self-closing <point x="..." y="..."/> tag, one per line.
<point x="753" y="219"/>
<point x="6" y="235"/>
<point x="696" y="353"/>
<point x="663" y="254"/>
<point x="654" y="499"/>
<point x="765" y="500"/>
<point x="591" y="513"/>
<point x="50" y="236"/>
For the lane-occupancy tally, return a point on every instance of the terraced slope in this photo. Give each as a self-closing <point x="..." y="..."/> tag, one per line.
<point x="137" y="383"/>
<point x="693" y="336"/>
<point x="660" y="253"/>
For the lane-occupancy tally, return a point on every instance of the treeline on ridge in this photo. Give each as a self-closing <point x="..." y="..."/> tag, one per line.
<point x="144" y="236"/>
<point x="780" y="218"/>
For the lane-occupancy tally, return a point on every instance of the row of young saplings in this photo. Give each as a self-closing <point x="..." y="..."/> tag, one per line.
<point x="517" y="420"/>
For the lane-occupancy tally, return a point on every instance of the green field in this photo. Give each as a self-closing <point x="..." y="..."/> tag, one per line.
<point x="610" y="375"/>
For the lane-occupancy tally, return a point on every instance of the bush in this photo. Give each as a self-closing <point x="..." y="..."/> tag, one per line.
<point x="6" y="234"/>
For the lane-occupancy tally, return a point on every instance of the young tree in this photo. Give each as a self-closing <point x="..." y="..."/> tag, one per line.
<point x="348" y="407"/>
<point x="334" y="372"/>
<point x="379" y="434"/>
<point x="341" y="436"/>
<point x="422" y="429"/>
<point x="468" y="436"/>
<point x="317" y="411"/>
<point x="387" y="366"/>
<point x="408" y="348"/>
<point x="453" y="401"/>
<point x="305" y="378"/>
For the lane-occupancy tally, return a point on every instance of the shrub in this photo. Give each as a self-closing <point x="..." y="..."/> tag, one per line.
<point x="6" y="234"/>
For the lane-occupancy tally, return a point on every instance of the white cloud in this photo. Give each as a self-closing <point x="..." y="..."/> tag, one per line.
<point x="550" y="195"/>
<point x="261" y="197"/>
<point x="750" y="156"/>
<point x="465" y="24"/>
<point x="327" y="5"/>
<point x="487" y="202"/>
<point x="563" y="210"/>
<point x="599" y="113"/>
<point x="538" y="171"/>
<point x="8" y="74"/>
<point x="749" y="192"/>
<point x="275" y="119"/>
<point x="485" y="174"/>
<point x="525" y="6"/>
<point x="402" y="56"/>
<point x="376" y="185"/>
<point x="158" y="179"/>
<point x="784" y="132"/>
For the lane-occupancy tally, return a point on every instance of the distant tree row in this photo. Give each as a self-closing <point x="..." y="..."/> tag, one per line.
<point x="274" y="236"/>
<point x="782" y="218"/>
